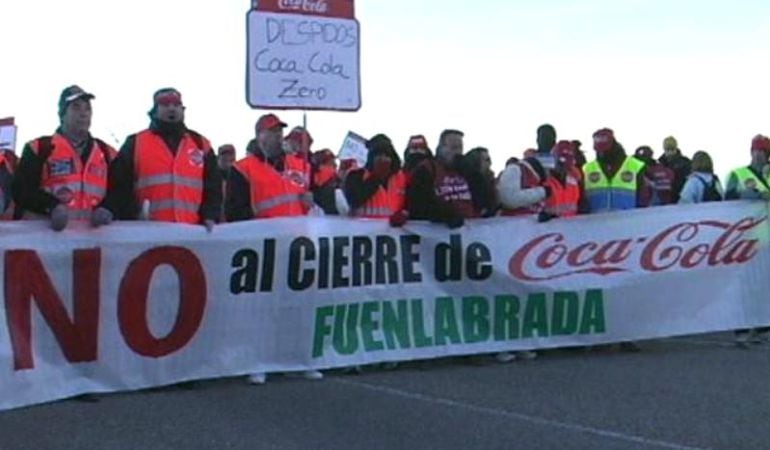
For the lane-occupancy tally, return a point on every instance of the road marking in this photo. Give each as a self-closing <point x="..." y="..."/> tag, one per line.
<point x="519" y="416"/>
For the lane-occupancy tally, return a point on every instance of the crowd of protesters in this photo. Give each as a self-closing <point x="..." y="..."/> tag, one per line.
<point x="171" y="173"/>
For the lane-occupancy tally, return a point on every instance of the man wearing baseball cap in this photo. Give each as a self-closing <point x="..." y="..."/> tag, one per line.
<point x="752" y="182"/>
<point x="64" y="176"/>
<point x="168" y="172"/>
<point x="269" y="183"/>
<point x="614" y="181"/>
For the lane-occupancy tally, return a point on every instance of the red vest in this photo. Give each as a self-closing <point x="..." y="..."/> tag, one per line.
<point x="8" y="160"/>
<point x="79" y="186"/>
<point x="660" y="179"/>
<point x="385" y="202"/>
<point x="453" y="188"/>
<point x="529" y="180"/>
<point x="564" y="199"/>
<point x="273" y="193"/>
<point x="173" y="184"/>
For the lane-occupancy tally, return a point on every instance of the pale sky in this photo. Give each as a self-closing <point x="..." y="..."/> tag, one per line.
<point x="698" y="70"/>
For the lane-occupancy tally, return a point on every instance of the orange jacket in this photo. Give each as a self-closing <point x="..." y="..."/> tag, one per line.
<point x="564" y="198"/>
<point x="79" y="186"/>
<point x="273" y="193"/>
<point x="173" y="184"/>
<point x="386" y="201"/>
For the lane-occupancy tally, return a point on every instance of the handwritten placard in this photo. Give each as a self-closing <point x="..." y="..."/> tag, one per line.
<point x="7" y="134"/>
<point x="354" y="147"/>
<point x="303" y="59"/>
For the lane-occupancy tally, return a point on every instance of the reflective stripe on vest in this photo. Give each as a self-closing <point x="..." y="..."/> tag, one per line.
<point x="386" y="201"/>
<point x="79" y="186"/>
<point x="273" y="193"/>
<point x="564" y="199"/>
<point x="616" y="194"/>
<point x="748" y="181"/>
<point x="264" y="205"/>
<point x="173" y="183"/>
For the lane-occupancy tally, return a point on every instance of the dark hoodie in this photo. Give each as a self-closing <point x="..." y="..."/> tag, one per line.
<point x="682" y="167"/>
<point x="482" y="185"/>
<point x="121" y="196"/>
<point x="358" y="190"/>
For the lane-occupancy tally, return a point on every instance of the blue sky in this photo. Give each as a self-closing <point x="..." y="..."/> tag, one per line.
<point x="496" y="69"/>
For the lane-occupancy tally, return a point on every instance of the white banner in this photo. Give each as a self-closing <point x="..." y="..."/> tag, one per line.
<point x="303" y="56"/>
<point x="135" y="305"/>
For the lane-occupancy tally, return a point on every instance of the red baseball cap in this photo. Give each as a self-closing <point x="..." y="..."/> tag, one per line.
<point x="760" y="142"/>
<point x="418" y="141"/>
<point x="604" y="139"/>
<point x="268" y="122"/>
<point x="564" y="152"/>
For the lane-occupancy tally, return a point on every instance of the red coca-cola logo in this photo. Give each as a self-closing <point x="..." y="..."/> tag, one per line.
<point x="313" y="6"/>
<point x="682" y="246"/>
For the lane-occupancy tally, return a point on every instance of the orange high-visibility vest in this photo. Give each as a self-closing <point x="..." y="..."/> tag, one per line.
<point x="385" y="202"/>
<point x="564" y="199"/>
<point x="173" y="184"/>
<point x="273" y="193"/>
<point x="79" y="186"/>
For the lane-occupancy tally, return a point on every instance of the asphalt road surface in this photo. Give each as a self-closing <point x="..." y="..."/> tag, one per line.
<point x="696" y="392"/>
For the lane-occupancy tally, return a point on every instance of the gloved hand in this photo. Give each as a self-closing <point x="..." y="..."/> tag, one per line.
<point x="545" y="217"/>
<point x="101" y="216"/>
<point x="59" y="217"/>
<point x="381" y="169"/>
<point x="399" y="218"/>
<point x="209" y="224"/>
<point x="455" y="222"/>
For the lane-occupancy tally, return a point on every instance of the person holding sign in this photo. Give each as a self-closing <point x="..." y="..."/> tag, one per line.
<point x="378" y="190"/>
<point x="437" y="191"/>
<point x="269" y="183"/>
<point x="167" y="172"/>
<point x="64" y="176"/>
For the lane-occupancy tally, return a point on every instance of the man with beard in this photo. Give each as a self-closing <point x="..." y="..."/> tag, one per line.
<point x="614" y="181"/>
<point x="269" y="183"/>
<point x="167" y="172"/>
<point x="437" y="191"/>
<point x="64" y="176"/>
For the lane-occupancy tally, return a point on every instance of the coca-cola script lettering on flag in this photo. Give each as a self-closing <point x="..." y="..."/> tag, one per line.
<point x="303" y="54"/>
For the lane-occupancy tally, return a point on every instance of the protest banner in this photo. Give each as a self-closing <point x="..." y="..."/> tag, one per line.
<point x="136" y="304"/>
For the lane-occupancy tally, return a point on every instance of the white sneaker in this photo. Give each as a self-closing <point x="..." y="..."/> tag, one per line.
<point x="258" y="378"/>
<point x="312" y="375"/>
<point x="526" y="354"/>
<point x="505" y="357"/>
